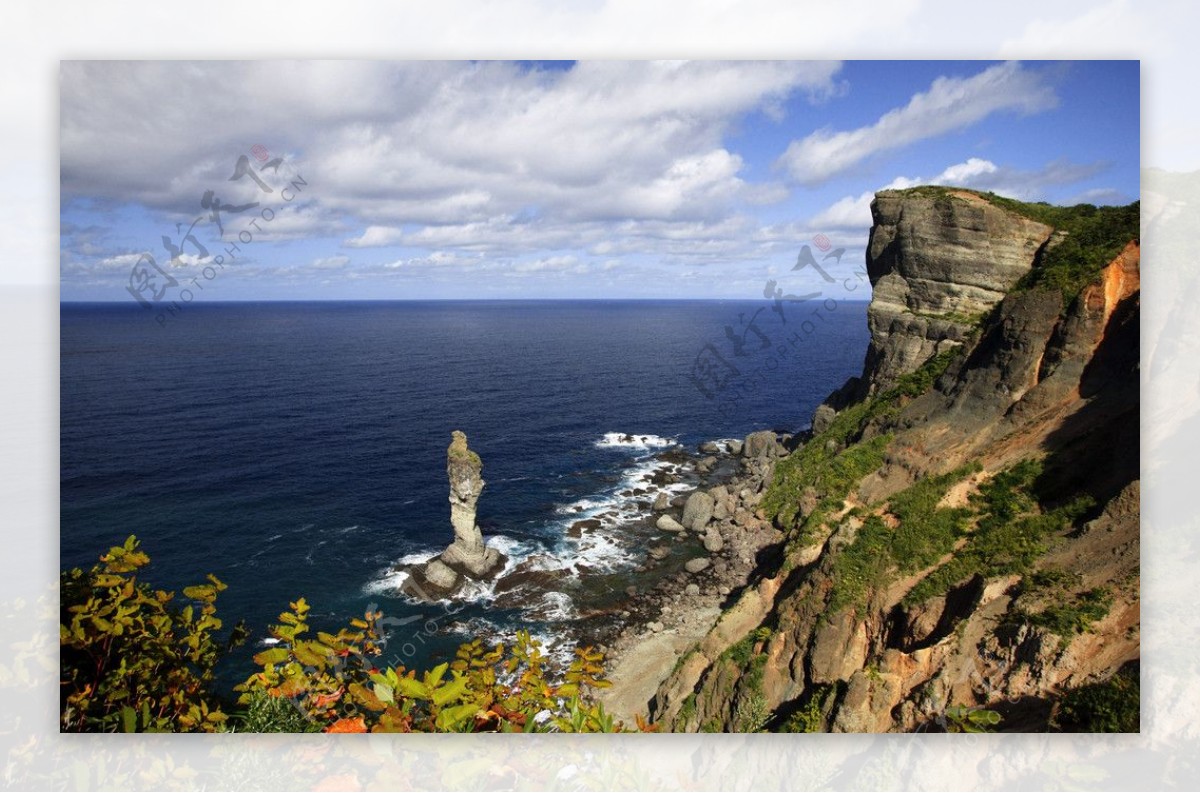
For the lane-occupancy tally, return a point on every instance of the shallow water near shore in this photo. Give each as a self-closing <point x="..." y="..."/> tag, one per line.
<point x="298" y="449"/>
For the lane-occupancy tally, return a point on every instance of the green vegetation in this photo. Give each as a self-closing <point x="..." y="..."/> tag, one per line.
<point x="265" y="713"/>
<point x="750" y="712"/>
<point x="133" y="661"/>
<point x="971" y="320"/>
<point x="1068" y="618"/>
<point x="923" y="534"/>
<point x="1111" y="706"/>
<point x="964" y="719"/>
<point x="132" y="658"/>
<point x="809" y="717"/>
<point x="687" y="711"/>
<point x="1011" y="533"/>
<point x="835" y="460"/>
<point x="1093" y="236"/>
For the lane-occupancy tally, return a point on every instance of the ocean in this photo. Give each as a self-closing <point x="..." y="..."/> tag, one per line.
<point x="299" y="449"/>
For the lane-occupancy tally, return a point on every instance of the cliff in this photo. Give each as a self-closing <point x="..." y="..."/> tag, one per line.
<point x="938" y="262"/>
<point x="962" y="527"/>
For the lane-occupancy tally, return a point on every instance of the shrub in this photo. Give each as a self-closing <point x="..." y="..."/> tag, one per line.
<point x="1111" y="706"/>
<point x="133" y="660"/>
<point x="332" y="680"/>
<point x="1076" y="615"/>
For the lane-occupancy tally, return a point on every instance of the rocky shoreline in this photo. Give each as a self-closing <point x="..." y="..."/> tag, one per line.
<point x="703" y="549"/>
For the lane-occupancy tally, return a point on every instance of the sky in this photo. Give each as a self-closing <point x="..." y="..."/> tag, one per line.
<point x="310" y="180"/>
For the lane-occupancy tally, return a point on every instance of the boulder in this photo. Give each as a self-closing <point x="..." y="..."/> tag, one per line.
<point x="712" y="541"/>
<point x="759" y="444"/>
<point x="698" y="510"/>
<point x="668" y="523"/>
<point x="662" y="503"/>
<point x="710" y="447"/>
<point x="735" y="448"/>
<point x="692" y="590"/>
<point x="440" y="575"/>
<point x="697" y="565"/>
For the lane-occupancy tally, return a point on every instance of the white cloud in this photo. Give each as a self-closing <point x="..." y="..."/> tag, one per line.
<point x="330" y="262"/>
<point x="548" y="264"/>
<point x="463" y="145"/>
<point x="855" y="211"/>
<point x="949" y="105"/>
<point x="851" y="212"/>
<point x="375" y="237"/>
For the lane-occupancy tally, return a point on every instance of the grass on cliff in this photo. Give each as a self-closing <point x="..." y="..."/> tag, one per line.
<point x="1094" y="235"/>
<point x="1111" y="706"/>
<point x="1011" y="532"/>
<point x="924" y="532"/>
<point x="834" y="461"/>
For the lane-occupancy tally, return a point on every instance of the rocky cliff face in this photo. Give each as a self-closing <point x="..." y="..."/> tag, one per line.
<point x="938" y="263"/>
<point x="990" y="559"/>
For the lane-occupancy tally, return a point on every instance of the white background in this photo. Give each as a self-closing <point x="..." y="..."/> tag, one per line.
<point x="35" y="36"/>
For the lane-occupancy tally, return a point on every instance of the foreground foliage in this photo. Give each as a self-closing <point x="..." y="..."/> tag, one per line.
<point x="138" y="659"/>
<point x="333" y="680"/>
<point x="132" y="658"/>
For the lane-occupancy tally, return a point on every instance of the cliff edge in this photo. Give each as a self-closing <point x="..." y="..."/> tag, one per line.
<point x="961" y="529"/>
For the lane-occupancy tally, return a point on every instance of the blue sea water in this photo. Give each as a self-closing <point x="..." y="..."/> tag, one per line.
<point x="298" y="449"/>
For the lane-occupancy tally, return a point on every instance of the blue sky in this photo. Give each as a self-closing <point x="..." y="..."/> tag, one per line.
<point x="418" y="180"/>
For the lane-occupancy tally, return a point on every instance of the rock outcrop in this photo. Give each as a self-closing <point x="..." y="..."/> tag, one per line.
<point x="468" y="557"/>
<point x="938" y="263"/>
<point x="1035" y="380"/>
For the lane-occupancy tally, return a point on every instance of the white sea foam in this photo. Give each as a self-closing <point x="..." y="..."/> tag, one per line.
<point x="625" y="440"/>
<point x="607" y="546"/>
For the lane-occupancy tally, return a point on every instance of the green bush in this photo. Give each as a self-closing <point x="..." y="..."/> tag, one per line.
<point x="1111" y="706"/>
<point x="1010" y="534"/>
<point x="131" y="658"/>
<point x="1075" y="616"/>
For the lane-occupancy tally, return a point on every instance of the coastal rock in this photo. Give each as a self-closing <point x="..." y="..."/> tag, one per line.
<point x="468" y="556"/>
<point x="710" y="447"/>
<point x="735" y="447"/>
<point x="697" y="565"/>
<point x="668" y="523"/>
<point x="712" y="541"/>
<point x="1042" y="379"/>
<point x="759" y="444"/>
<point x="698" y="511"/>
<point x="440" y="576"/>
<point x="938" y="263"/>
<point x="662" y="503"/>
<point x="692" y="590"/>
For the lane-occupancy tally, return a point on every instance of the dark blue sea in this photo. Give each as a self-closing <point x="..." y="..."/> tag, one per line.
<point x="299" y="449"/>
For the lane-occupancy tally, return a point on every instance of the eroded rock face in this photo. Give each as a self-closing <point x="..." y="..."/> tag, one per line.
<point x="938" y="263"/>
<point x="468" y="556"/>
<point x="1039" y="376"/>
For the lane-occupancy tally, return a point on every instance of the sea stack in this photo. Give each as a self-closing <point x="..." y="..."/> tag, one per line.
<point x="468" y="557"/>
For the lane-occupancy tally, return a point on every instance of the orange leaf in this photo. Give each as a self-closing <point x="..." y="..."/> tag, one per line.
<point x="348" y="725"/>
<point x="325" y="700"/>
